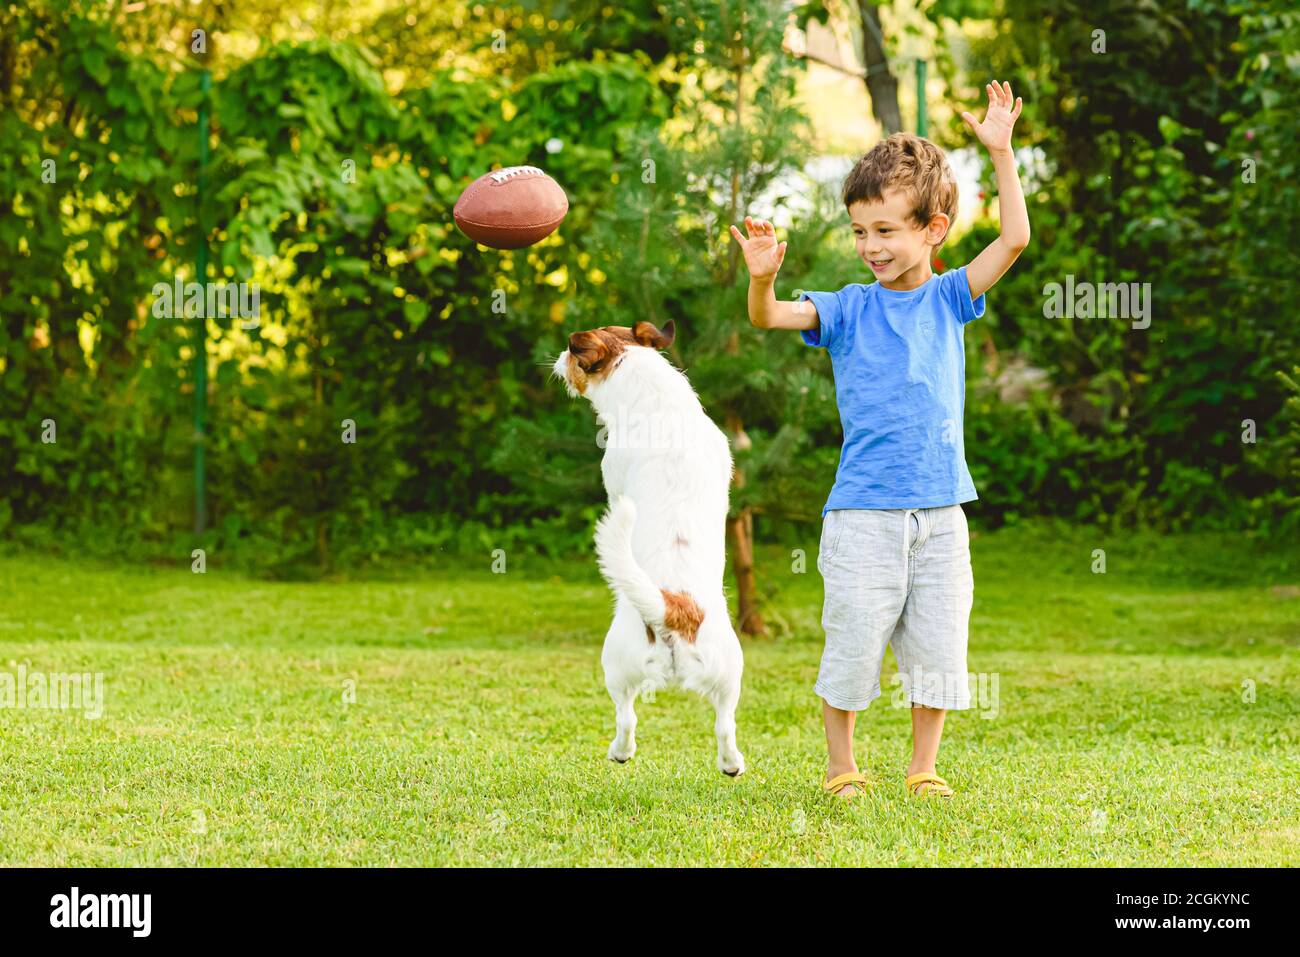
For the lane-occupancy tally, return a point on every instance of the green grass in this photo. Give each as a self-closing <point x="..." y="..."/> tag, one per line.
<point x="1122" y="735"/>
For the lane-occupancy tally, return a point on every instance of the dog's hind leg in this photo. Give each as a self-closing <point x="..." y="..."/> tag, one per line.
<point x="725" y="696"/>
<point x="621" y="658"/>
<point x="623" y="746"/>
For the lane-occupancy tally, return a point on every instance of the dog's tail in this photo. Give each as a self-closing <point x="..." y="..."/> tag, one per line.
<point x="664" y="612"/>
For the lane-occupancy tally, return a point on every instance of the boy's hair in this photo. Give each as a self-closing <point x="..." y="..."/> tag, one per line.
<point x="912" y="164"/>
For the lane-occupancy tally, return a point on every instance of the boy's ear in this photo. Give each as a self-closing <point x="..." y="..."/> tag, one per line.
<point x="937" y="231"/>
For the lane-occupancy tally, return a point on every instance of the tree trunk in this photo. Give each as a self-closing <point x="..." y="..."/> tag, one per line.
<point x="740" y="537"/>
<point x="882" y="88"/>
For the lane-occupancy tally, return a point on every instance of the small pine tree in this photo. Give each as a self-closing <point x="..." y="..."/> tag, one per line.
<point x="734" y="146"/>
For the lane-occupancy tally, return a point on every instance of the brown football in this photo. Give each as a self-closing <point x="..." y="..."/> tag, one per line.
<point x="511" y="208"/>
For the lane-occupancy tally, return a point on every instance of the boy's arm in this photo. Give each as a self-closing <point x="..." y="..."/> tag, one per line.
<point x="763" y="258"/>
<point x="995" y="133"/>
<point x="767" y="312"/>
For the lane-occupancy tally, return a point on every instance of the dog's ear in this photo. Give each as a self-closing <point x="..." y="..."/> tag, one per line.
<point x="647" y="334"/>
<point x="587" y="349"/>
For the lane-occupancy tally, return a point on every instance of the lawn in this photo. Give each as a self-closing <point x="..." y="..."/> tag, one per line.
<point x="1145" y="716"/>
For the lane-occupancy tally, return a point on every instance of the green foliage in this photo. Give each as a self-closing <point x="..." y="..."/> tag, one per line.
<point x="335" y="197"/>
<point x="1136" y="176"/>
<point x="333" y="169"/>
<point x="86" y="213"/>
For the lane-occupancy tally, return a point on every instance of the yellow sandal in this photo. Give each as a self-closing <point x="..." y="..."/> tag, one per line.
<point x="928" y="784"/>
<point x="857" y="779"/>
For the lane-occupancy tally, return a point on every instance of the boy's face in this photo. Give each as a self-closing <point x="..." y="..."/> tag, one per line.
<point x="888" y="240"/>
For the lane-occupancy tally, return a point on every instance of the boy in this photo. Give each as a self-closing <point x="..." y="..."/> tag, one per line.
<point x="895" y="553"/>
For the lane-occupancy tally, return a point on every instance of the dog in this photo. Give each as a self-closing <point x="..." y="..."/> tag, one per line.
<point x="661" y="545"/>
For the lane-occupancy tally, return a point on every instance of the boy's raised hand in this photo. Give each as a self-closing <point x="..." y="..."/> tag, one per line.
<point x="995" y="131"/>
<point x="763" y="254"/>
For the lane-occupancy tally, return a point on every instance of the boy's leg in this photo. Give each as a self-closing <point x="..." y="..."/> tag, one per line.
<point x="862" y="562"/>
<point x="927" y="728"/>
<point x="931" y="640"/>
<point x="839" y="742"/>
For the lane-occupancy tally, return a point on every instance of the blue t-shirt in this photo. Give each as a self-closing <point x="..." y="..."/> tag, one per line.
<point x="900" y="383"/>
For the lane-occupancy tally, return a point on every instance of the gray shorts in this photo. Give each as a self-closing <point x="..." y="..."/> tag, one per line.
<point x="900" y="577"/>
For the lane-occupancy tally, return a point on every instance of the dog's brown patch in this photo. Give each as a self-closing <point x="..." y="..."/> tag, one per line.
<point x="650" y="634"/>
<point x="595" y="352"/>
<point x="681" y="614"/>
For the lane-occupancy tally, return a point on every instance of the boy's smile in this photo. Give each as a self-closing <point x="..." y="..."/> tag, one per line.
<point x="887" y="239"/>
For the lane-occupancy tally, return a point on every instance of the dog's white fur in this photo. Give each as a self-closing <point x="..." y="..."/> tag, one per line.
<point x="665" y="529"/>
